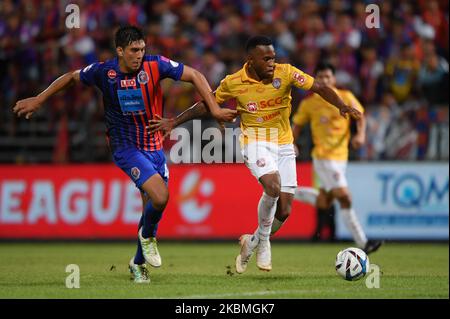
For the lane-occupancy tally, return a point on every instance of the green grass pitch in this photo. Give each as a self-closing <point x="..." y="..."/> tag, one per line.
<point x="205" y="270"/>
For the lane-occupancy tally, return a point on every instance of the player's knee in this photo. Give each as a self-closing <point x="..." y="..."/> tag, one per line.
<point x="273" y="188"/>
<point x="345" y="200"/>
<point x="323" y="202"/>
<point x="160" y="200"/>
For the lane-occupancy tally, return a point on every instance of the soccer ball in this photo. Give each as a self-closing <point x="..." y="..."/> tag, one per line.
<point x="352" y="264"/>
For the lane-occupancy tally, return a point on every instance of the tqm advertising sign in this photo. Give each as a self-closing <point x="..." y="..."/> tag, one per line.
<point x="399" y="200"/>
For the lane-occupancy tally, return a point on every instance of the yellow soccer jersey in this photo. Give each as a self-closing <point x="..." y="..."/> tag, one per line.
<point x="330" y="131"/>
<point x="264" y="108"/>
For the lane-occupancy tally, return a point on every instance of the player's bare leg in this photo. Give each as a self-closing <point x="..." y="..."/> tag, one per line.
<point x="324" y="199"/>
<point x="324" y="204"/>
<point x="283" y="211"/>
<point x="158" y="196"/>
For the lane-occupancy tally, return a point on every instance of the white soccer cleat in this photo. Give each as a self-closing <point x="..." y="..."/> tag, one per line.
<point x="248" y="244"/>
<point x="139" y="273"/>
<point x="150" y="250"/>
<point x="264" y="255"/>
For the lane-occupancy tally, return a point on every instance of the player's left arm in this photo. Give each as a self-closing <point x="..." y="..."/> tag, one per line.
<point x="328" y="94"/>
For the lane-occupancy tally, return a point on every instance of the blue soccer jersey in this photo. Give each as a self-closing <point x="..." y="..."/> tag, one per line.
<point x="132" y="99"/>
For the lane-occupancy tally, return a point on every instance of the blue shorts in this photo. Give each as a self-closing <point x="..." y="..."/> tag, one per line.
<point x="140" y="165"/>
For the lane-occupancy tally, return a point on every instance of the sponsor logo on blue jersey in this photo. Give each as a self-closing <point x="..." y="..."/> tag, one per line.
<point x="131" y="101"/>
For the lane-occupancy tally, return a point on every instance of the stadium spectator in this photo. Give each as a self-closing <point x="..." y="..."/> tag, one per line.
<point x="434" y="15"/>
<point x="401" y="73"/>
<point x="32" y="32"/>
<point x="433" y="77"/>
<point x="379" y="120"/>
<point x="370" y="74"/>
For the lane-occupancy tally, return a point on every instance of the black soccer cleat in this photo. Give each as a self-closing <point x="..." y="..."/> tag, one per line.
<point x="372" y="245"/>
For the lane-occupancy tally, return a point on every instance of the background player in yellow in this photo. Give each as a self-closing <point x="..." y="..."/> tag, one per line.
<point x="331" y="137"/>
<point x="262" y="90"/>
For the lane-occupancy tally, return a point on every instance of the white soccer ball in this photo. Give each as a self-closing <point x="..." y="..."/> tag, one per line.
<point x="352" y="264"/>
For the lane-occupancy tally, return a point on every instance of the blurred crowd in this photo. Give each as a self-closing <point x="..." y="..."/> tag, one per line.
<point x="399" y="70"/>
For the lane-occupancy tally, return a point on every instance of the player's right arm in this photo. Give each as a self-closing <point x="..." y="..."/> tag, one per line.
<point x="166" y="125"/>
<point x="304" y="81"/>
<point x="30" y="105"/>
<point x="328" y="94"/>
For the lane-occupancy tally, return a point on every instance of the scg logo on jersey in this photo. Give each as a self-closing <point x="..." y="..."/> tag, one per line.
<point x="271" y="102"/>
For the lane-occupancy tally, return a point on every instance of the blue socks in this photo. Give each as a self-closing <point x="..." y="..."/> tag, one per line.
<point x="151" y="220"/>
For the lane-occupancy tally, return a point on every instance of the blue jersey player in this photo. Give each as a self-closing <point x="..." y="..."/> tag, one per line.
<point x="130" y="84"/>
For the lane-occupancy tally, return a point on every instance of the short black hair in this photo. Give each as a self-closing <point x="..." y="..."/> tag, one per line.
<point x="126" y="35"/>
<point x="253" y="42"/>
<point x="323" y="66"/>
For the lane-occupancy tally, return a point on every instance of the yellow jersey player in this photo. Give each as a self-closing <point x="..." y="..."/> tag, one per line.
<point x="262" y="90"/>
<point x="331" y="137"/>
